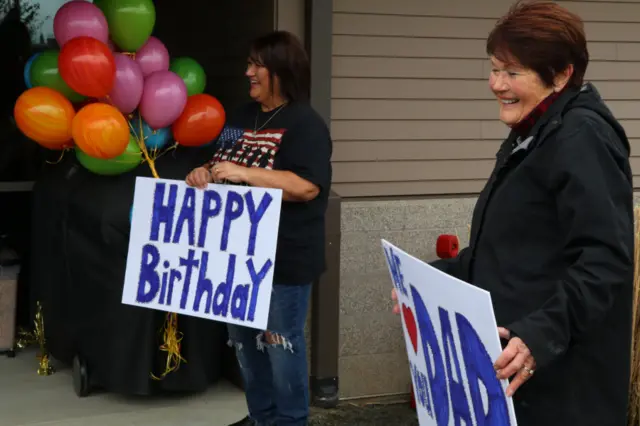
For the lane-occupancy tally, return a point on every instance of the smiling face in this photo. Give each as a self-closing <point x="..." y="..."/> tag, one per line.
<point x="260" y="88"/>
<point x="517" y="89"/>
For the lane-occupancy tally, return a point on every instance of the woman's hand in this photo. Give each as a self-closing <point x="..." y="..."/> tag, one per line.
<point x="199" y="178"/>
<point x="229" y="171"/>
<point x="515" y="359"/>
<point x="394" y="297"/>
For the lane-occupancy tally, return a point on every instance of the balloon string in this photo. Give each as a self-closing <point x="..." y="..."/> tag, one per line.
<point x="59" y="158"/>
<point x="172" y="337"/>
<point x="143" y="148"/>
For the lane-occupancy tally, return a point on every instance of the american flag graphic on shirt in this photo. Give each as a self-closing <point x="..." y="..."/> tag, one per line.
<point x="250" y="149"/>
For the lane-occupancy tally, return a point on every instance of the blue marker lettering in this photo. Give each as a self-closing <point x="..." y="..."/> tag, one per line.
<point x="204" y="286"/>
<point x="175" y="276"/>
<point x="148" y="274"/>
<point x="221" y="307"/>
<point x="165" y="283"/>
<point x="232" y="210"/>
<point x="459" y="402"/>
<point x="239" y="302"/>
<point x="255" y="216"/>
<point x="396" y="270"/>
<point x="187" y="214"/>
<point x="189" y="263"/>
<point x="208" y="212"/>
<point x="436" y="372"/>
<point x="480" y="368"/>
<point x="163" y="213"/>
<point x="256" y="280"/>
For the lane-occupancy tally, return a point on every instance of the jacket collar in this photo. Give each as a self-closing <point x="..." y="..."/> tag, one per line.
<point x="551" y="120"/>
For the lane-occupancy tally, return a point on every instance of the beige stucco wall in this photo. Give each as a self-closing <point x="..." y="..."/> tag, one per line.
<point x="373" y="360"/>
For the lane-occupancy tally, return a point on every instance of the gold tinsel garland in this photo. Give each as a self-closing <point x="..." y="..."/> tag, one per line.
<point x="171" y="336"/>
<point x="26" y="338"/>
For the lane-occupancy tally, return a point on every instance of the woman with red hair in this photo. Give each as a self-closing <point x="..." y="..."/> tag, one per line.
<point x="552" y="235"/>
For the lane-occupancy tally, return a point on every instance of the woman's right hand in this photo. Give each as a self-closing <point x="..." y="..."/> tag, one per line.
<point x="199" y="178"/>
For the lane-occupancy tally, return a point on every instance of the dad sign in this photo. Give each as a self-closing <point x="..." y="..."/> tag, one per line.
<point x="452" y="339"/>
<point x="204" y="253"/>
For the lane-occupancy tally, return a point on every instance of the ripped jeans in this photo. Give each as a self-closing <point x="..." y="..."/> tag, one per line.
<point x="273" y="363"/>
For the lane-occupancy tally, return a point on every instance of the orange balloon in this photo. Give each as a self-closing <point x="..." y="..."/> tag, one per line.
<point x="201" y="121"/>
<point x="45" y="116"/>
<point x="100" y="131"/>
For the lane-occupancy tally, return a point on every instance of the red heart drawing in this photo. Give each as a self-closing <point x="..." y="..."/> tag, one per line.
<point x="410" y="323"/>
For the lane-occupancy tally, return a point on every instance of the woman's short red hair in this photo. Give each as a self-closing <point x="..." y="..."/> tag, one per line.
<point x="544" y="37"/>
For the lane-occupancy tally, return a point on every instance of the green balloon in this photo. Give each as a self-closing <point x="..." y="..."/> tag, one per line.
<point x="125" y="162"/>
<point x="44" y="72"/>
<point x="191" y="72"/>
<point x="100" y="4"/>
<point x="130" y="22"/>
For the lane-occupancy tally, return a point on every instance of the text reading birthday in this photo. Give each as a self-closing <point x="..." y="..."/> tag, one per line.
<point x="207" y="253"/>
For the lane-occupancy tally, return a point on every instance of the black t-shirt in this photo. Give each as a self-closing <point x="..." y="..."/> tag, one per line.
<point x="293" y="138"/>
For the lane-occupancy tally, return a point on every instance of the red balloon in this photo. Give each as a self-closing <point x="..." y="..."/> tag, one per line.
<point x="87" y="66"/>
<point x="201" y="121"/>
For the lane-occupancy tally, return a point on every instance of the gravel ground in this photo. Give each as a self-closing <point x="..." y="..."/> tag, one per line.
<point x="365" y="415"/>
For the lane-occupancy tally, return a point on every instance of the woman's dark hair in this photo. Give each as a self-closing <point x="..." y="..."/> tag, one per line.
<point x="284" y="56"/>
<point x="543" y="36"/>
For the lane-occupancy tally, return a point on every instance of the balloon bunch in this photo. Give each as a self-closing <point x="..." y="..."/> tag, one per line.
<point x="111" y="92"/>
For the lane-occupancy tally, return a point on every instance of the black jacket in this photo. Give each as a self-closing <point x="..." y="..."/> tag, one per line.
<point x="552" y="240"/>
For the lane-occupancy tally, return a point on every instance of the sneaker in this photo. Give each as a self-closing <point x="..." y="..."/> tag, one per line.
<point x="247" y="421"/>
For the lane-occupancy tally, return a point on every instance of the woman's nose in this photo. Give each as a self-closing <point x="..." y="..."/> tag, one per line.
<point x="497" y="82"/>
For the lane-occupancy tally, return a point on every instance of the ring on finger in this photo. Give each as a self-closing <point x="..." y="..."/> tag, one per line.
<point x="528" y="371"/>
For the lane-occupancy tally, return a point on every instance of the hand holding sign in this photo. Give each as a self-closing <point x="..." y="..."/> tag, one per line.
<point x="516" y="358"/>
<point x="199" y="178"/>
<point x="230" y="172"/>
<point x="451" y="339"/>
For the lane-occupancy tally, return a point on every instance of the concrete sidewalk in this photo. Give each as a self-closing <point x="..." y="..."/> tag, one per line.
<point x="27" y="399"/>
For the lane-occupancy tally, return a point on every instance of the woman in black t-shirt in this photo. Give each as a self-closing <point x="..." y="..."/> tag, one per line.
<point x="279" y="141"/>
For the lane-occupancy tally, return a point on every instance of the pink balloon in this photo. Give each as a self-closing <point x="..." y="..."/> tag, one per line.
<point x="153" y="56"/>
<point x="80" y="18"/>
<point x="163" y="98"/>
<point x="128" y="85"/>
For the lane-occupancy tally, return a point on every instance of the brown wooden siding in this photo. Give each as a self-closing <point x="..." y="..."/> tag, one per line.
<point x="411" y="110"/>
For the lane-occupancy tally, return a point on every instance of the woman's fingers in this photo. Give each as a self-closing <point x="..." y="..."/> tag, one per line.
<point x="523" y="375"/>
<point x="513" y="367"/>
<point x="507" y="355"/>
<point x="504" y="333"/>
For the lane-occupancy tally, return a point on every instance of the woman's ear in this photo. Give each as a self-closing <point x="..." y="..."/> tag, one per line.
<point x="562" y="78"/>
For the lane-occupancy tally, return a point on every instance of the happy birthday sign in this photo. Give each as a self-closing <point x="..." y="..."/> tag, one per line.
<point x="452" y="340"/>
<point x="204" y="253"/>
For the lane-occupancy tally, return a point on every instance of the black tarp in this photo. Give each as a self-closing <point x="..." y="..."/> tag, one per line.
<point x="80" y="232"/>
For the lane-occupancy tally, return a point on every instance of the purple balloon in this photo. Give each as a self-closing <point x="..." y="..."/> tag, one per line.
<point x="128" y="85"/>
<point x="152" y="56"/>
<point x="80" y="18"/>
<point x="163" y="99"/>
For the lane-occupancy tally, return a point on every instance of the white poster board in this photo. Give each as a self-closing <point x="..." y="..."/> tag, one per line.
<point x="204" y="253"/>
<point x="452" y="341"/>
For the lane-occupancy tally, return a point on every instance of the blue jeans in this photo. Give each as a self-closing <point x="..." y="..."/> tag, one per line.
<point x="273" y="363"/>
